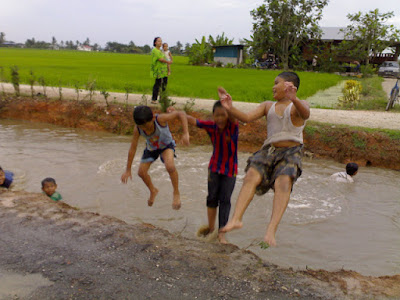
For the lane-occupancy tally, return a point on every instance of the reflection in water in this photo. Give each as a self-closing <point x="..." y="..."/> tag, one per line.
<point x="327" y="224"/>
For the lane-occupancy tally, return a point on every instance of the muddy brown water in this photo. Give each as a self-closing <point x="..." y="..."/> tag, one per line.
<point x="327" y="225"/>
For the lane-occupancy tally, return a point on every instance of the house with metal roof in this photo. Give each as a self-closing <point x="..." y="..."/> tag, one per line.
<point x="228" y="54"/>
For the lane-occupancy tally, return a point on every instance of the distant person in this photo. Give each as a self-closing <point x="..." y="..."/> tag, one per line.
<point x="49" y="187"/>
<point x="314" y="62"/>
<point x="159" y="142"/>
<point x="6" y="178"/>
<point x="277" y="164"/>
<point x="222" y="169"/>
<point x="158" y="69"/>
<point x="358" y="66"/>
<point x="351" y="171"/>
<point x="168" y="57"/>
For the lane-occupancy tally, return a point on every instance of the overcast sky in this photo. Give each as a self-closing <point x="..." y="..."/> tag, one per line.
<point x="141" y="20"/>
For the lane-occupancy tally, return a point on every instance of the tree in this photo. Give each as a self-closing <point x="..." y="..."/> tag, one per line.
<point x="53" y="41"/>
<point x="86" y="42"/>
<point x="2" y="37"/>
<point x="219" y="40"/>
<point x="282" y="25"/>
<point x="200" y="52"/>
<point x="368" y="34"/>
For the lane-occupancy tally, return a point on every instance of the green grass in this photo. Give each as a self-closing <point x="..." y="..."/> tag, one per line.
<point x="113" y="71"/>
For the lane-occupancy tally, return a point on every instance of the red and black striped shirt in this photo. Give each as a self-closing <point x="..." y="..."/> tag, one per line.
<point x="224" y="158"/>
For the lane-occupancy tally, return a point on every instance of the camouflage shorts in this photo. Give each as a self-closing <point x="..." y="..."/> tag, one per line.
<point x="271" y="162"/>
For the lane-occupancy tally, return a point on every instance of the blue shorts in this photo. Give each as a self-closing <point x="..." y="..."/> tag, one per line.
<point x="150" y="156"/>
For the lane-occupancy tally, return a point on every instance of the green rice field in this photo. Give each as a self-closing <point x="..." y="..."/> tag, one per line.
<point x="113" y="72"/>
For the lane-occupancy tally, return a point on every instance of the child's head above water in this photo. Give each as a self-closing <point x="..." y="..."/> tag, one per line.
<point x="220" y="115"/>
<point x="142" y="115"/>
<point x="351" y="169"/>
<point x="49" y="186"/>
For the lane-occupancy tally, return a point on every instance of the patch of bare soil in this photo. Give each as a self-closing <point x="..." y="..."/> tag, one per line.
<point x="84" y="255"/>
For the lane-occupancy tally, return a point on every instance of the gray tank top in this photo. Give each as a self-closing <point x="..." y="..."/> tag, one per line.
<point x="159" y="139"/>
<point x="281" y="128"/>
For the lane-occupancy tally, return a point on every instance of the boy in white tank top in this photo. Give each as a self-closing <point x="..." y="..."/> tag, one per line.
<point x="277" y="164"/>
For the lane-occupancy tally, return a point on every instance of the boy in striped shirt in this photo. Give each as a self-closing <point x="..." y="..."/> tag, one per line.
<point x="222" y="169"/>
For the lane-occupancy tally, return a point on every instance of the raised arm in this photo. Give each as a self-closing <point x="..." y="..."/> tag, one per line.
<point x="302" y="106"/>
<point x="181" y="115"/>
<point x="131" y="155"/>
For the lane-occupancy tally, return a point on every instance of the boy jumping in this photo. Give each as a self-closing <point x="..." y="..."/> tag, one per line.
<point x="277" y="164"/>
<point x="159" y="142"/>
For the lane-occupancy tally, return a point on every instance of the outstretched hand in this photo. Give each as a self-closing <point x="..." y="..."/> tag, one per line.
<point x="125" y="176"/>
<point x="185" y="140"/>
<point x="226" y="99"/>
<point x="290" y="90"/>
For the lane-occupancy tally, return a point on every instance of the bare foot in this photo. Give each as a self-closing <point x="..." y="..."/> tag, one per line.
<point x="221" y="238"/>
<point x="153" y="195"/>
<point x="270" y="238"/>
<point x="232" y="224"/>
<point x="176" y="203"/>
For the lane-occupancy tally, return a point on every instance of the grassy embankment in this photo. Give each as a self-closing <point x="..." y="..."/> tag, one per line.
<point x="114" y="71"/>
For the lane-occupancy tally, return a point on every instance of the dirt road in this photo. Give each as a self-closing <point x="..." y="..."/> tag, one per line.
<point x="370" y="119"/>
<point x="49" y="250"/>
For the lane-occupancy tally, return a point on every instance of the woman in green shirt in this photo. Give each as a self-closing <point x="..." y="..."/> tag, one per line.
<point x="159" y="69"/>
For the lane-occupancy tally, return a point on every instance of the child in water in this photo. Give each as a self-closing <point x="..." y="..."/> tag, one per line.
<point x="351" y="170"/>
<point x="49" y="187"/>
<point x="159" y="142"/>
<point x="222" y="169"/>
<point x="6" y="178"/>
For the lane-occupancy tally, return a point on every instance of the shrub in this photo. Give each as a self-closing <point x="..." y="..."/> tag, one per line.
<point x="188" y="107"/>
<point x="165" y="101"/>
<point x="91" y="87"/>
<point x="351" y="94"/>
<point x="15" y="79"/>
<point x="43" y="83"/>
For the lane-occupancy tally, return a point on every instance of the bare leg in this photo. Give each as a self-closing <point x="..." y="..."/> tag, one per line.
<point x="283" y="186"/>
<point x="168" y="157"/>
<point x="143" y="173"/>
<point x="221" y="238"/>
<point x="211" y="214"/>
<point x="251" y="181"/>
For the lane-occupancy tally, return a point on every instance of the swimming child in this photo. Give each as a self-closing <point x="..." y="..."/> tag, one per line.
<point x="159" y="142"/>
<point x="222" y="169"/>
<point x="49" y="187"/>
<point x="277" y="164"/>
<point x="6" y="178"/>
<point x="351" y="170"/>
<point x="168" y="57"/>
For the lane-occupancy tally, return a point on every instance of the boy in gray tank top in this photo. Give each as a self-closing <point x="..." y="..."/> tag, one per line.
<point x="159" y="142"/>
<point x="277" y="164"/>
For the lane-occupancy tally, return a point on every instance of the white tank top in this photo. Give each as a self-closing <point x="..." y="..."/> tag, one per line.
<point x="281" y="128"/>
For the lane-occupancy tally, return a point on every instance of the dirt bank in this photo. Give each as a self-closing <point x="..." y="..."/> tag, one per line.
<point x="339" y="142"/>
<point x="58" y="252"/>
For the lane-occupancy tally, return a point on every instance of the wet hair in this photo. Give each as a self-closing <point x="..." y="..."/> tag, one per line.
<point x="216" y="105"/>
<point x="155" y="40"/>
<point x="351" y="168"/>
<point x="291" y="77"/>
<point x="48" y="179"/>
<point x="142" y="114"/>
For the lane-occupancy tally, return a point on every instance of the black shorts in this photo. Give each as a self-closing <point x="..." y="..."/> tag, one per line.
<point x="150" y="156"/>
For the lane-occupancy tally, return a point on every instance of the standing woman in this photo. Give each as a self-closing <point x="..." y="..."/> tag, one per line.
<point x="159" y="69"/>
